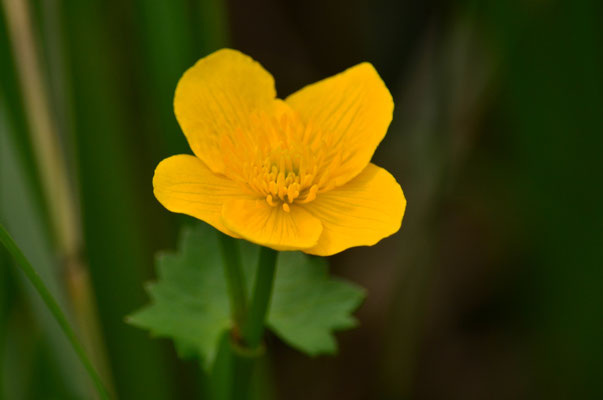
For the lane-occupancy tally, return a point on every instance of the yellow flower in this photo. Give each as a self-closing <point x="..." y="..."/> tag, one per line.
<point x="291" y="174"/>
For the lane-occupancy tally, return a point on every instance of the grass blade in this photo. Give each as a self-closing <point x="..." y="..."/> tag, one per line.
<point x="53" y="306"/>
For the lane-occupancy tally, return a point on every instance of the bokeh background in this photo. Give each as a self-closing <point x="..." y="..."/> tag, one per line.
<point x="493" y="289"/>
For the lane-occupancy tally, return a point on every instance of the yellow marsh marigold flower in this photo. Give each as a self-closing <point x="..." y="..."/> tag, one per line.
<point x="291" y="174"/>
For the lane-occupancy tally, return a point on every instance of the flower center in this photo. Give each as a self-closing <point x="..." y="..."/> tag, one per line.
<point x="283" y="177"/>
<point x="280" y="159"/>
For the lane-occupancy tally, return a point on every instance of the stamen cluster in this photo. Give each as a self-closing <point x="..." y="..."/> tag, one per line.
<point x="283" y="178"/>
<point x="280" y="159"/>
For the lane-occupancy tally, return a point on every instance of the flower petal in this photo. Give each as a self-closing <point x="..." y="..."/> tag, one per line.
<point x="360" y="213"/>
<point x="183" y="184"/>
<point x="256" y="221"/>
<point x="351" y="111"/>
<point x="216" y="97"/>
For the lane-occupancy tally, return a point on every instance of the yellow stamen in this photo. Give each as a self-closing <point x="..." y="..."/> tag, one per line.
<point x="269" y="201"/>
<point x="310" y="196"/>
<point x="282" y="159"/>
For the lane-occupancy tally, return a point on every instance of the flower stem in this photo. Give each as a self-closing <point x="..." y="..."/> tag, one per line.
<point x="54" y="308"/>
<point x="233" y="272"/>
<point x="241" y="373"/>
<point x="246" y="352"/>
<point x="262" y="292"/>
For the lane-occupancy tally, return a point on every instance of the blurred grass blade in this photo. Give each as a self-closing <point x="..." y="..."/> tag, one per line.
<point x="11" y="103"/>
<point x="114" y="186"/>
<point x="52" y="168"/>
<point x="19" y="213"/>
<point x="53" y="306"/>
<point x="5" y="298"/>
<point x="212" y="31"/>
<point x="47" y="149"/>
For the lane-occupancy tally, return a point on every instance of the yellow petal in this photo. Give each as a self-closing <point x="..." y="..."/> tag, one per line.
<point x="272" y="227"/>
<point x="183" y="184"/>
<point x="360" y="213"/>
<point x="216" y="97"/>
<point x="351" y="111"/>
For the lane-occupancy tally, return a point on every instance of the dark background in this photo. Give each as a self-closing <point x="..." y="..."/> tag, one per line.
<point x="493" y="288"/>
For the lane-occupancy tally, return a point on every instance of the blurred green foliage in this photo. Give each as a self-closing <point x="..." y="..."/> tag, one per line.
<point x="494" y="287"/>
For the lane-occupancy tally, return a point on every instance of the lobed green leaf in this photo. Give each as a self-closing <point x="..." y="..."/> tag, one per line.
<point x="190" y="305"/>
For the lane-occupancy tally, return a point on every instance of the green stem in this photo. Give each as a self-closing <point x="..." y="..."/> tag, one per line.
<point x="233" y="271"/>
<point x="53" y="306"/>
<point x="246" y="352"/>
<point x="262" y="292"/>
<point x="241" y="370"/>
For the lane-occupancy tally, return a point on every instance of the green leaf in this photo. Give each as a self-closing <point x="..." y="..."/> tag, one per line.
<point x="308" y="305"/>
<point x="189" y="302"/>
